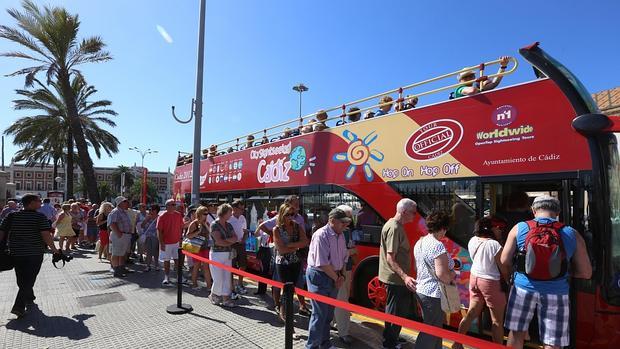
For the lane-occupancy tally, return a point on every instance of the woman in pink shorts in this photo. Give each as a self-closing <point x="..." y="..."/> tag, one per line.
<point x="485" y="279"/>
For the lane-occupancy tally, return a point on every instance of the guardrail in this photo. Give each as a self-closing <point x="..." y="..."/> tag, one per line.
<point x="290" y="290"/>
<point x="295" y="126"/>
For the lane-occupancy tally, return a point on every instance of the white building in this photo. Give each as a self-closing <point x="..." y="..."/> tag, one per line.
<point x="40" y="180"/>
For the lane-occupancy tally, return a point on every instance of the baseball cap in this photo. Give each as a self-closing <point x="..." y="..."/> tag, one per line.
<point x="170" y="201"/>
<point x="120" y="199"/>
<point x="339" y="215"/>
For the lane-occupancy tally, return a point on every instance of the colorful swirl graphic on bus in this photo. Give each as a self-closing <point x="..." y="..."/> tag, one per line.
<point x="358" y="153"/>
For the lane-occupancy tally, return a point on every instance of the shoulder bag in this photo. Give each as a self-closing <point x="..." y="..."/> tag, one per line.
<point x="194" y="244"/>
<point x="6" y="263"/>
<point x="449" y="294"/>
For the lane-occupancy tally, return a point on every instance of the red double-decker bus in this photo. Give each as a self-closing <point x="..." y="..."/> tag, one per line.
<point x="466" y="155"/>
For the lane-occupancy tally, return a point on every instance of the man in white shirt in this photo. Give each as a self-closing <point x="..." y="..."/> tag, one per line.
<point x="237" y="220"/>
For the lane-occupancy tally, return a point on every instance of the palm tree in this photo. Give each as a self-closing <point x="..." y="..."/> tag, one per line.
<point x="118" y="174"/>
<point x="105" y="191"/>
<point x="51" y="36"/>
<point x="135" y="191"/>
<point x="48" y="135"/>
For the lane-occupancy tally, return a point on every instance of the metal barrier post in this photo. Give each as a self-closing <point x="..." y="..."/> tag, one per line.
<point x="179" y="307"/>
<point x="289" y="290"/>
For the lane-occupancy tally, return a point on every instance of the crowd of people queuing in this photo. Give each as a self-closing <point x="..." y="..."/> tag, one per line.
<point x="318" y="258"/>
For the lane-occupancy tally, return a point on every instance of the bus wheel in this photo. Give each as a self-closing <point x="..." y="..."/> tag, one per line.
<point x="377" y="294"/>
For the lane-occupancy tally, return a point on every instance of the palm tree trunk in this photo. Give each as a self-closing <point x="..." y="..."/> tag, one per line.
<point x="69" y="167"/>
<point x="55" y="174"/>
<point x="86" y="164"/>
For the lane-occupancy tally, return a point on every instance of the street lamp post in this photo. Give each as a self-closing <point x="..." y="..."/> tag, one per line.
<point x="197" y="107"/>
<point x="143" y="153"/>
<point x="301" y="88"/>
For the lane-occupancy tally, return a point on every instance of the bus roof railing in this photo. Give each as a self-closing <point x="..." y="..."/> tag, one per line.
<point x="295" y="126"/>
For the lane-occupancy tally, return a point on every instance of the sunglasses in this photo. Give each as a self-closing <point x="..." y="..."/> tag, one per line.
<point x="290" y="214"/>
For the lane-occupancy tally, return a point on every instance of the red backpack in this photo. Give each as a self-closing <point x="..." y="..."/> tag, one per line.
<point x="543" y="256"/>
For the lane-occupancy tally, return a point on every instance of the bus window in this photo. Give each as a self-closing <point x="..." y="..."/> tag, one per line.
<point x="319" y="200"/>
<point x="455" y="197"/>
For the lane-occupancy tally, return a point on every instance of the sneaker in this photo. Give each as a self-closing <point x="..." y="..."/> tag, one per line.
<point x="234" y="296"/>
<point x="166" y="282"/>
<point x="240" y="290"/>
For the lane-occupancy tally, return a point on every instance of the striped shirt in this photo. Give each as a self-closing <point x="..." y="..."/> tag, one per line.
<point x="24" y="232"/>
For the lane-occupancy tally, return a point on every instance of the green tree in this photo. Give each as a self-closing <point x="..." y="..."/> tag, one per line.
<point x="129" y="178"/>
<point x="135" y="191"/>
<point x="50" y="36"/>
<point x="48" y="135"/>
<point x="106" y="193"/>
<point x="81" y="187"/>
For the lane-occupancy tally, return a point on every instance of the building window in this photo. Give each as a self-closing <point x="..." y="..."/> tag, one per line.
<point x="39" y="175"/>
<point x="39" y="186"/>
<point x="108" y="177"/>
<point x="49" y="186"/>
<point x="99" y="177"/>
<point x="28" y="185"/>
<point x="18" y="174"/>
<point x="28" y="174"/>
<point x="18" y="186"/>
<point x="49" y="175"/>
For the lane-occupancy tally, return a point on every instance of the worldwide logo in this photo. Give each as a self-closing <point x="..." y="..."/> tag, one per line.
<point x="504" y="115"/>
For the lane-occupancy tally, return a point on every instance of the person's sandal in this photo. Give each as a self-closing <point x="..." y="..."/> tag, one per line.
<point x="228" y="303"/>
<point x="305" y="312"/>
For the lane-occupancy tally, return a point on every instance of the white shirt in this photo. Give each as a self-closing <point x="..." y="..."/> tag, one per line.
<point x="211" y="217"/>
<point x="239" y="224"/>
<point x="426" y="250"/>
<point x="483" y="252"/>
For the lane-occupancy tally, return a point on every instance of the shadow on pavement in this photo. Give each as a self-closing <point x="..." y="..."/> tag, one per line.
<point x="36" y="323"/>
<point x="206" y="317"/>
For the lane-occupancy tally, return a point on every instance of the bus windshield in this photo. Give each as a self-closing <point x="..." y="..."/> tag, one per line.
<point x="614" y="203"/>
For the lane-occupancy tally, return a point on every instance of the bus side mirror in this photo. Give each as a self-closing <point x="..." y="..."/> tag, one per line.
<point x="591" y="124"/>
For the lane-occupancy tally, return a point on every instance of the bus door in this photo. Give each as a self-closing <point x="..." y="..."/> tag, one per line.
<point x="511" y="199"/>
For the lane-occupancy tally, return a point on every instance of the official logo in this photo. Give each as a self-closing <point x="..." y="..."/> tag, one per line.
<point x="434" y="139"/>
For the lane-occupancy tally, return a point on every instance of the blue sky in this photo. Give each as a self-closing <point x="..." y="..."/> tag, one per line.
<point x="342" y="50"/>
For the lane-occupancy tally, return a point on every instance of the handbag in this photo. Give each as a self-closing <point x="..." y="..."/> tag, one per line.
<point x="194" y="244"/>
<point x="6" y="263"/>
<point x="449" y="293"/>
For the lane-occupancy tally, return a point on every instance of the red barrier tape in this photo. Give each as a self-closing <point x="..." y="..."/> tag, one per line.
<point x="415" y="325"/>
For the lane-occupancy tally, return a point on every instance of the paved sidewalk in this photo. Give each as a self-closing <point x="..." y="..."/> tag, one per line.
<point x="84" y="306"/>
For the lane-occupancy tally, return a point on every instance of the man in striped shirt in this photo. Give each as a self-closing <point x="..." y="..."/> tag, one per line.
<point x="27" y="234"/>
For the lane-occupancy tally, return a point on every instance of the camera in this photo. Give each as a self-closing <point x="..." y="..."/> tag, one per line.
<point x="59" y="256"/>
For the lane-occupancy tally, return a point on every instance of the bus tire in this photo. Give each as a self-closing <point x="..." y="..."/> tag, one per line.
<point x="364" y="275"/>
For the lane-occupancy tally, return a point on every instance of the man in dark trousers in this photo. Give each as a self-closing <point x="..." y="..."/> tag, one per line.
<point x="27" y="234"/>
